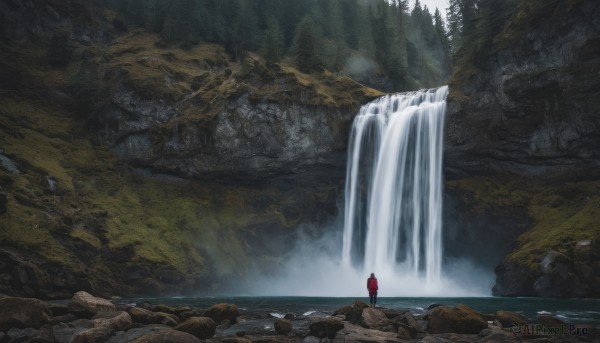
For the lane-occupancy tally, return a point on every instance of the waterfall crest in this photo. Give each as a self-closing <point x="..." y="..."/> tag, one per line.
<point x="393" y="205"/>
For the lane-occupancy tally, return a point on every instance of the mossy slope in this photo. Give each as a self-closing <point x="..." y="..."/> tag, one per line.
<point x="125" y="230"/>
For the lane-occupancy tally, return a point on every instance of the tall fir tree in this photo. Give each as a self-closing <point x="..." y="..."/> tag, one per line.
<point x="306" y="45"/>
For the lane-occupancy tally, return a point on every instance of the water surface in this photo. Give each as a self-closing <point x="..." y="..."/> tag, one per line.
<point x="569" y="310"/>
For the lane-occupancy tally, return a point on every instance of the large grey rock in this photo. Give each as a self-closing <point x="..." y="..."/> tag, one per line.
<point x="282" y="326"/>
<point x="99" y="329"/>
<point x="114" y="320"/>
<point x="460" y="319"/>
<point x="352" y="313"/>
<point x="220" y="312"/>
<point x="87" y="304"/>
<point x="508" y="318"/>
<point x="356" y="333"/>
<point x="166" y="318"/>
<point x="373" y="318"/>
<point x="141" y="315"/>
<point x="325" y="328"/>
<point x="201" y="327"/>
<point x="22" y="313"/>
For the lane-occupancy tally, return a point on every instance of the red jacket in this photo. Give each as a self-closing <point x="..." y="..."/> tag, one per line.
<point x="372" y="285"/>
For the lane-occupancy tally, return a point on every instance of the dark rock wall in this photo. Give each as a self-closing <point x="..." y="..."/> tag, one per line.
<point x="528" y="112"/>
<point x="244" y="140"/>
<point x="532" y="107"/>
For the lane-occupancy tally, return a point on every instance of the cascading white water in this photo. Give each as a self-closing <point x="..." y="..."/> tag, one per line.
<point x="393" y="209"/>
<point x="393" y="203"/>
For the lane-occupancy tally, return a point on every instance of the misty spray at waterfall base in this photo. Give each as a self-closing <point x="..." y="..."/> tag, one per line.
<point x="392" y="213"/>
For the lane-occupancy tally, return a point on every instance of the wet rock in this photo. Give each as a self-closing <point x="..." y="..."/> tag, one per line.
<point x="404" y="333"/>
<point x="513" y="280"/>
<point x="586" y="262"/>
<point x="460" y="319"/>
<point x="325" y="328"/>
<point x="160" y="308"/>
<point x="22" y="313"/>
<point x="134" y="333"/>
<point x="508" y="318"/>
<point x="391" y="313"/>
<point x="91" y="335"/>
<point x="373" y="318"/>
<point x="220" y="312"/>
<point x="283" y="326"/>
<point x="166" y="318"/>
<point x="99" y="329"/>
<point x="114" y="320"/>
<point x="353" y="313"/>
<point x="355" y="333"/>
<point x="559" y="279"/>
<point x="141" y="315"/>
<point x="254" y="327"/>
<point x="167" y="336"/>
<point x="201" y="327"/>
<point x="87" y="305"/>
<point x="549" y="321"/>
<point x="409" y="320"/>
<point x="404" y="329"/>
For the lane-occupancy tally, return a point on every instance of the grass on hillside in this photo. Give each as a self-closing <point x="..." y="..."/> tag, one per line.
<point x="562" y="214"/>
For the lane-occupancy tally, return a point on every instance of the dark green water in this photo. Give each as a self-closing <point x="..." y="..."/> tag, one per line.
<point x="569" y="310"/>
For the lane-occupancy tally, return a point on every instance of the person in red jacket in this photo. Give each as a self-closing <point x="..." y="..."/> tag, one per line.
<point x="372" y="287"/>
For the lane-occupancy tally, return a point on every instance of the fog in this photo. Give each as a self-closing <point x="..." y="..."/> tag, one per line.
<point x="314" y="268"/>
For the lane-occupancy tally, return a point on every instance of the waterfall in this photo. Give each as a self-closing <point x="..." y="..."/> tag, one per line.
<point x="393" y="205"/>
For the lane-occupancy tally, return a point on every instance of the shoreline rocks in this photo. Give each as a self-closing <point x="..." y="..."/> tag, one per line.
<point x="33" y="320"/>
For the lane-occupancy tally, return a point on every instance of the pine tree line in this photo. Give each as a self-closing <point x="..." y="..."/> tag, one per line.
<point x="362" y="38"/>
<point x="473" y="24"/>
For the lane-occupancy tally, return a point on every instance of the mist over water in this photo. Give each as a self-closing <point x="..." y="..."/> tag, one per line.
<point x="315" y="268"/>
<point x="392" y="214"/>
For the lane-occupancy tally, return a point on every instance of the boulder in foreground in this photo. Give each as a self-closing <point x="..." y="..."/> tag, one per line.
<point x="21" y="313"/>
<point x="459" y="319"/>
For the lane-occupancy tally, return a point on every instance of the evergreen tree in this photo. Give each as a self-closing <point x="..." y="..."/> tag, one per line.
<point x="306" y="46"/>
<point x="273" y="42"/>
<point x="442" y="36"/>
<point x="351" y="17"/>
<point x="244" y="30"/>
<point x="176" y="25"/>
<point x="334" y="51"/>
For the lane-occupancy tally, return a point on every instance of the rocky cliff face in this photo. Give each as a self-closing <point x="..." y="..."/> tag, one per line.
<point x="531" y="108"/>
<point x="196" y="114"/>
<point x="130" y="165"/>
<point x="523" y="130"/>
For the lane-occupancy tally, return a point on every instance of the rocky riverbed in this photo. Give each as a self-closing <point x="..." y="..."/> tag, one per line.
<point x="86" y="318"/>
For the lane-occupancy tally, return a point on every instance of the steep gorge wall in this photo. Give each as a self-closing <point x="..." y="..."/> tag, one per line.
<point x="130" y="165"/>
<point x="523" y="147"/>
